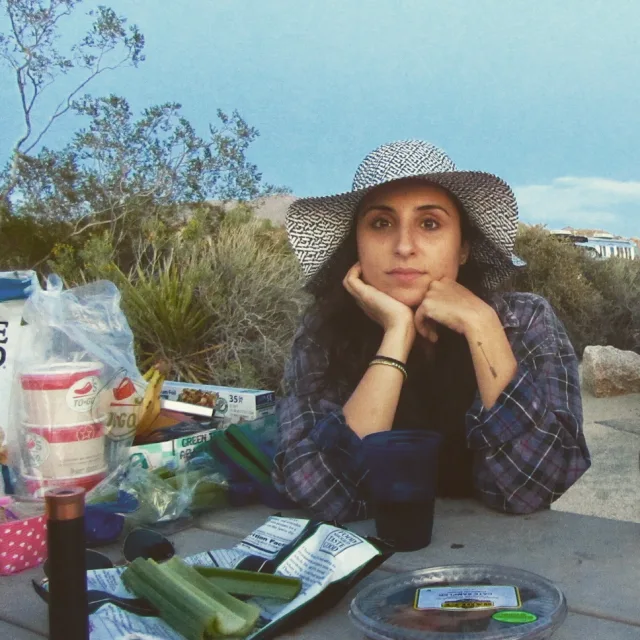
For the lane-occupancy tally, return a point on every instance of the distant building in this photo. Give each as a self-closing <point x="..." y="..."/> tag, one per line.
<point x="601" y="245"/>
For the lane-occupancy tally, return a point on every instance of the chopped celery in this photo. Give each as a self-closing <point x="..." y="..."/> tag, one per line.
<point x="183" y="613"/>
<point x="251" y="583"/>
<point x="184" y="479"/>
<point x="188" y="602"/>
<point x="227" y="624"/>
<point x="175" y="616"/>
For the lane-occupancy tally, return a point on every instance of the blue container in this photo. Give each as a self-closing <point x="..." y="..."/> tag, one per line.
<point x="16" y="285"/>
<point x="402" y="482"/>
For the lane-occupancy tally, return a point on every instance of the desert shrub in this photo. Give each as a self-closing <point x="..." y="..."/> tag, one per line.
<point x="26" y="241"/>
<point x="218" y="293"/>
<point x="597" y="300"/>
<point x="618" y="283"/>
<point x="556" y="271"/>
<point x="218" y="299"/>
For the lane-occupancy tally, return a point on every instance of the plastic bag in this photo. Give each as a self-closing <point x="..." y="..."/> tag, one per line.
<point x="75" y="378"/>
<point x="163" y="494"/>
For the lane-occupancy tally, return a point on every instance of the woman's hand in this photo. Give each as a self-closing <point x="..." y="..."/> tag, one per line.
<point x="450" y="304"/>
<point x="381" y="308"/>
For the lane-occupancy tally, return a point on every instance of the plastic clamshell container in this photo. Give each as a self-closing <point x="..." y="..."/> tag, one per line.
<point x="386" y="610"/>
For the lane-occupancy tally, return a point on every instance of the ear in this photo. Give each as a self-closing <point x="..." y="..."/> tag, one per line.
<point x="464" y="252"/>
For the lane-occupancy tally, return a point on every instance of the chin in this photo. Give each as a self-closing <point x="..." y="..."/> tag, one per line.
<point x="410" y="297"/>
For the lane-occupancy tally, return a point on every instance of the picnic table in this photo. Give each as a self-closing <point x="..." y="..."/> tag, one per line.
<point x="595" y="561"/>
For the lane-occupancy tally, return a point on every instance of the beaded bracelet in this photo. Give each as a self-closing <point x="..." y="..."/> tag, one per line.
<point x="390" y="362"/>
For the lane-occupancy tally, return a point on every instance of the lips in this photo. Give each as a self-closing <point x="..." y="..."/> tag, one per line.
<point x="405" y="275"/>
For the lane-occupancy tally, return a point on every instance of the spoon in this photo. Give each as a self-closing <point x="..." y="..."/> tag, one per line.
<point x="97" y="598"/>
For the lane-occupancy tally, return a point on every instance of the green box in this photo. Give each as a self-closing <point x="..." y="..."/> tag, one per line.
<point x="262" y="431"/>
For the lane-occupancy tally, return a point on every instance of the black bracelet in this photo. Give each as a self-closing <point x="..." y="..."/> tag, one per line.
<point x="393" y="360"/>
<point x="390" y="362"/>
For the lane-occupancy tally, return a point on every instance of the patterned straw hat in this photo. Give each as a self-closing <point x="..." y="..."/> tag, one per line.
<point x="317" y="226"/>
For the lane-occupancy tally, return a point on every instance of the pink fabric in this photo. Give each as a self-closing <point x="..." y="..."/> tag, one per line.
<point x="23" y="544"/>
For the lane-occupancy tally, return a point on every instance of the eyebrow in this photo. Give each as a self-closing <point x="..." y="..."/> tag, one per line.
<point x="384" y="207"/>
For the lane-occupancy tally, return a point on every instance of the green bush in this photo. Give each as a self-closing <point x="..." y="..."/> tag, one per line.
<point x="597" y="300"/>
<point x="618" y="283"/>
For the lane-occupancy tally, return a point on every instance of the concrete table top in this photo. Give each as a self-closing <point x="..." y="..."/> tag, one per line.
<point x="595" y="561"/>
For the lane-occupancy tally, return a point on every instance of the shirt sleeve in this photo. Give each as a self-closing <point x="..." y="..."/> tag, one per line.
<point x="319" y="462"/>
<point x="530" y="446"/>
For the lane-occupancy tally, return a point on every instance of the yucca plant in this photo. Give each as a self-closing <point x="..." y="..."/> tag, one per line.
<point x="168" y="318"/>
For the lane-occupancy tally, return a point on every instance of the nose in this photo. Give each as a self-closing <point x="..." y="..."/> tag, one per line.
<point x="405" y="246"/>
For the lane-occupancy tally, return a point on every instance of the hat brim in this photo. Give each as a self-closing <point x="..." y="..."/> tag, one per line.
<point x="317" y="226"/>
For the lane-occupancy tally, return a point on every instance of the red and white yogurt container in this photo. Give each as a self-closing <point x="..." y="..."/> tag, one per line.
<point x="37" y="487"/>
<point x="64" y="451"/>
<point x="66" y="394"/>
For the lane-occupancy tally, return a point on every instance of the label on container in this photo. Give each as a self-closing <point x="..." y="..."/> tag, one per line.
<point x="465" y="598"/>
<point x="81" y="396"/>
<point x="125" y="400"/>
<point x="37" y="449"/>
<point x="60" y="453"/>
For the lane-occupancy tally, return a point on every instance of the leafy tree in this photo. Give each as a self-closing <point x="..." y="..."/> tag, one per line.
<point x="121" y="171"/>
<point x="30" y="48"/>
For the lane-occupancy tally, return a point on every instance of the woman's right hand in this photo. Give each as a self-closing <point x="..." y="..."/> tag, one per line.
<point x="380" y="307"/>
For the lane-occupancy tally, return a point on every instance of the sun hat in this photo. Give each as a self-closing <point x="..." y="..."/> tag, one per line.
<point x="317" y="226"/>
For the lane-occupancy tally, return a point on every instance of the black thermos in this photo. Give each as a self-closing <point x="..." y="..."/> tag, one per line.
<point x="68" y="608"/>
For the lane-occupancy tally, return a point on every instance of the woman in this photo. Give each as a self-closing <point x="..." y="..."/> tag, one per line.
<point x="407" y="331"/>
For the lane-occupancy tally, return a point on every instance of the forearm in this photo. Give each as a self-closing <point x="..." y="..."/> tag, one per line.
<point x="492" y="355"/>
<point x="531" y="448"/>
<point x="317" y="463"/>
<point x="372" y="405"/>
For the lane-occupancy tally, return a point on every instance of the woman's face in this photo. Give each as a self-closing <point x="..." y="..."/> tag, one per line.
<point x="409" y="233"/>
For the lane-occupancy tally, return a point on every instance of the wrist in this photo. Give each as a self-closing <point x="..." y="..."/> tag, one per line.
<point x="397" y="343"/>
<point x="478" y="322"/>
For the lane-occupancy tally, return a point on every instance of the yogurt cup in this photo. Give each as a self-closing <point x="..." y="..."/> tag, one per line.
<point x="62" y="393"/>
<point x="64" y="451"/>
<point x="37" y="487"/>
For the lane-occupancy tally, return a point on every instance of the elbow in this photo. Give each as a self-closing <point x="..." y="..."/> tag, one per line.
<point x="537" y="494"/>
<point x="515" y="503"/>
<point x="333" y="506"/>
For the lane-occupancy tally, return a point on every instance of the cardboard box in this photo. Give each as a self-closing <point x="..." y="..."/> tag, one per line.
<point x="232" y="405"/>
<point x="262" y="431"/>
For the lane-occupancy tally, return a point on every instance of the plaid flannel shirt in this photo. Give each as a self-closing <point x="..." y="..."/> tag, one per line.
<point x="529" y="448"/>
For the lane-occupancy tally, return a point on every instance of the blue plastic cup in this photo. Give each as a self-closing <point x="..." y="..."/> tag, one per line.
<point x="402" y="482"/>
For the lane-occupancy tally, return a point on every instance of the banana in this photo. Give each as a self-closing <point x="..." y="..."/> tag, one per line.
<point x="150" y="407"/>
<point x="147" y="375"/>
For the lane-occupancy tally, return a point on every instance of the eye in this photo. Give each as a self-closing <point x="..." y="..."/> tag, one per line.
<point x="380" y="223"/>
<point x="430" y="224"/>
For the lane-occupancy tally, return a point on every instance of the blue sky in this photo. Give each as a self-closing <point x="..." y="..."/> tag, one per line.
<point x="544" y="94"/>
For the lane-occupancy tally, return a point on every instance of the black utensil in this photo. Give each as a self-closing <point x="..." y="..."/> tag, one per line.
<point x="97" y="598"/>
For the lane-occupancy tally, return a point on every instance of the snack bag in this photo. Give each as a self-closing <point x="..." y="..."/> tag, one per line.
<point x="76" y="356"/>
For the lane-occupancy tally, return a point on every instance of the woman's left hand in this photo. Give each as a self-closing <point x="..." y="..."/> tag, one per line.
<point x="450" y="304"/>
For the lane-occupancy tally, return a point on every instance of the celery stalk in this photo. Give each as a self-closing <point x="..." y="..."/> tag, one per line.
<point x="189" y="603"/>
<point x="251" y="583"/>
<point x="185" y="479"/>
<point x="227" y="622"/>
<point x="191" y="624"/>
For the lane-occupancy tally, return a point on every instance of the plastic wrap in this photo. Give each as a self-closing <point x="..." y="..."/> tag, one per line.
<point x="162" y="494"/>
